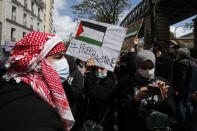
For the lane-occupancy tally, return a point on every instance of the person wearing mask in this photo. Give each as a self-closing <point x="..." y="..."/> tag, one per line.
<point x="99" y="89"/>
<point x="33" y="97"/>
<point x="145" y="101"/>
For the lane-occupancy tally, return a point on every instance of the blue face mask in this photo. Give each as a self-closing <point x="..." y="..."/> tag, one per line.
<point x="101" y="75"/>
<point x="82" y="65"/>
<point x="62" y="69"/>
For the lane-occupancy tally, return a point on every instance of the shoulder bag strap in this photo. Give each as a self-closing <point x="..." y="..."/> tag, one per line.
<point x="105" y="115"/>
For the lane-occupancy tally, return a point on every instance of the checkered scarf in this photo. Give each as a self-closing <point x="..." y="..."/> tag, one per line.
<point x="27" y="63"/>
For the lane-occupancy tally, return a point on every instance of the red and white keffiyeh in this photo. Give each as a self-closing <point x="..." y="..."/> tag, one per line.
<point x="27" y="63"/>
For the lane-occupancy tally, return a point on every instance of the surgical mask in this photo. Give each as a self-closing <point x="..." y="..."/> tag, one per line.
<point x="82" y="65"/>
<point x="101" y="75"/>
<point x="146" y="74"/>
<point x="151" y="49"/>
<point x="62" y="69"/>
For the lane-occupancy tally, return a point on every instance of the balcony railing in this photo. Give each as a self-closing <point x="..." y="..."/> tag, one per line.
<point x="24" y="23"/>
<point x="25" y="4"/>
<point x="13" y="18"/>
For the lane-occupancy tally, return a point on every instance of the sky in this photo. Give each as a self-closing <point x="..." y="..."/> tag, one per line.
<point x="64" y="24"/>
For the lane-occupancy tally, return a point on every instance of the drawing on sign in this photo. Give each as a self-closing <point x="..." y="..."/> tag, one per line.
<point x="91" y="33"/>
<point x="97" y="40"/>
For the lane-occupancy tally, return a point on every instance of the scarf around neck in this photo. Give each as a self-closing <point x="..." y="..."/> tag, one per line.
<point x="28" y="63"/>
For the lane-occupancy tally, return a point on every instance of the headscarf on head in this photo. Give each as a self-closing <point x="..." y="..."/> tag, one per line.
<point x="27" y="63"/>
<point x="141" y="57"/>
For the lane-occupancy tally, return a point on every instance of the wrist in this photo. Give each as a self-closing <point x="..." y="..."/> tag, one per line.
<point x="137" y="98"/>
<point x="132" y="49"/>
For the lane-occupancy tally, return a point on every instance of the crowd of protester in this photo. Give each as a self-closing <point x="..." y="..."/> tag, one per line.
<point x="44" y="89"/>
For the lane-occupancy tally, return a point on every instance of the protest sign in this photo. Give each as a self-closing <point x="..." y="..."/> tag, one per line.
<point x="97" y="40"/>
<point x="131" y="34"/>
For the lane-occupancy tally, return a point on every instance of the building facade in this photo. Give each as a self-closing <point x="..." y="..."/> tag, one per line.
<point x="18" y="18"/>
<point x="186" y="40"/>
<point x="49" y="28"/>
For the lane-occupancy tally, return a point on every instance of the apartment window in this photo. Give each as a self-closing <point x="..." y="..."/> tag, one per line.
<point x="13" y="13"/>
<point x="24" y="34"/>
<point x="31" y="25"/>
<point x="25" y="19"/>
<point x="38" y="12"/>
<point x="13" y="30"/>
<point x="32" y="7"/>
<point x="38" y="26"/>
<point x="25" y="3"/>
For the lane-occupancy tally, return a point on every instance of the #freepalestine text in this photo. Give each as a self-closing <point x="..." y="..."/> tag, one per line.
<point x="87" y="50"/>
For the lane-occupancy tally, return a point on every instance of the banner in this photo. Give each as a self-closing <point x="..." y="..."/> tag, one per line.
<point x="132" y="32"/>
<point x="97" y="40"/>
<point x="134" y="28"/>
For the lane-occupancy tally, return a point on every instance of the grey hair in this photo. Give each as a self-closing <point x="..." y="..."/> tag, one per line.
<point x="184" y="53"/>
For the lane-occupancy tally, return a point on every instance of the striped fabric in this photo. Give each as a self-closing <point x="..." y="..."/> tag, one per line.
<point x="91" y="33"/>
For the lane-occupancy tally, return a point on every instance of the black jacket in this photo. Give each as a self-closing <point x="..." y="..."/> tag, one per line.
<point x="132" y="115"/>
<point x="127" y="65"/>
<point x="182" y="76"/>
<point x="74" y="84"/>
<point x="164" y="67"/>
<point x="74" y="91"/>
<point x="22" y="110"/>
<point x="100" y="99"/>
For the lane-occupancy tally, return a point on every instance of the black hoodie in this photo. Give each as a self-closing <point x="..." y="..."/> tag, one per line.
<point x="22" y="110"/>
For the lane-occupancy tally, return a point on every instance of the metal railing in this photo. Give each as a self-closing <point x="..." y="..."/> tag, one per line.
<point x="138" y="12"/>
<point x="24" y="23"/>
<point x="13" y="18"/>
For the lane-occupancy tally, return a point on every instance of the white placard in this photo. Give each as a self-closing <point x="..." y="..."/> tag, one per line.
<point x="97" y="40"/>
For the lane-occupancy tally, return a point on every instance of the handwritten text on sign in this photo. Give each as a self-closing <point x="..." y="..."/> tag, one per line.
<point x="97" y="40"/>
<point x="82" y="49"/>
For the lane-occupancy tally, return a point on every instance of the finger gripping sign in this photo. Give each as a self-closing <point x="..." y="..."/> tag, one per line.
<point x="97" y="40"/>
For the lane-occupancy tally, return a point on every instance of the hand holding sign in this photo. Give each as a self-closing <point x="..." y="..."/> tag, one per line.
<point x="134" y="43"/>
<point x="90" y="63"/>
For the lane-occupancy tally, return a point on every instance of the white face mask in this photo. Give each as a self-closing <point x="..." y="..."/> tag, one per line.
<point x="62" y="69"/>
<point x="146" y="74"/>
